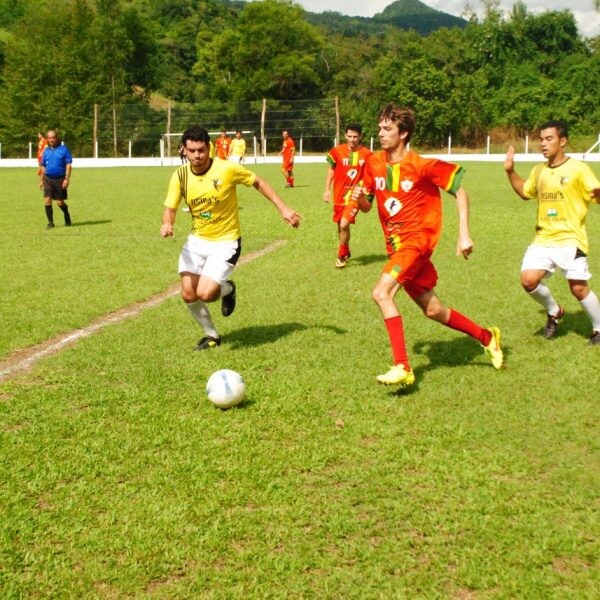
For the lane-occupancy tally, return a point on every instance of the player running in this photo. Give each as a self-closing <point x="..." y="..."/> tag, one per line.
<point x="564" y="188"/>
<point x="209" y="188"/>
<point x="346" y="166"/>
<point x="406" y="188"/>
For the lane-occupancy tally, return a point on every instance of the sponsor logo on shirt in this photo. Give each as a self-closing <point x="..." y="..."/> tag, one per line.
<point x="406" y="185"/>
<point x="393" y="206"/>
<point x="552" y="212"/>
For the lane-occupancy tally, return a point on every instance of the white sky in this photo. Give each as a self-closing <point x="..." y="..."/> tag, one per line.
<point x="588" y="20"/>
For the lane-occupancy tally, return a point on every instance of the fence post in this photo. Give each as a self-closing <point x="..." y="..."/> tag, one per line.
<point x="449" y="144"/>
<point x="527" y="144"/>
<point x="129" y="148"/>
<point x="301" y="141"/>
<point x="488" y="145"/>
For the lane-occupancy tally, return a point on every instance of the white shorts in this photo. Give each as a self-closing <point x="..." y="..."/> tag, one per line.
<point x="214" y="259"/>
<point x="571" y="263"/>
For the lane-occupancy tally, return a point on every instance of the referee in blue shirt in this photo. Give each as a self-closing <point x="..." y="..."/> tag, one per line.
<point x="56" y="171"/>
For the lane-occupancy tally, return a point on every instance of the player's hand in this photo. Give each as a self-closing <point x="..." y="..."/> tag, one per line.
<point x="166" y="230"/>
<point x="326" y="196"/>
<point x="358" y="193"/>
<point x="509" y="161"/>
<point x="464" y="246"/>
<point x="291" y="217"/>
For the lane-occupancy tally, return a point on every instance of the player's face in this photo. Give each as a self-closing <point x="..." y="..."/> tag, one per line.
<point x="198" y="155"/>
<point x="353" y="139"/>
<point x="285" y="135"/>
<point x="390" y="137"/>
<point x="550" y="143"/>
<point x="52" y="139"/>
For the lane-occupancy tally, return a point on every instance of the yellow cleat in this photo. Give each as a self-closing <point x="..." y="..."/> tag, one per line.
<point x="493" y="349"/>
<point x="397" y="375"/>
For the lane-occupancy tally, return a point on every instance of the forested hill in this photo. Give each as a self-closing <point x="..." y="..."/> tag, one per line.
<point x="403" y="14"/>
<point x="218" y="59"/>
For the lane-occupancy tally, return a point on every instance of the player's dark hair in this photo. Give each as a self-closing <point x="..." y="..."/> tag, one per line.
<point x="195" y="134"/>
<point x="354" y="127"/>
<point x="403" y="117"/>
<point x="560" y="126"/>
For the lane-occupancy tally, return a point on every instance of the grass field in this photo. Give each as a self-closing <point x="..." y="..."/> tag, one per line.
<point x="119" y="479"/>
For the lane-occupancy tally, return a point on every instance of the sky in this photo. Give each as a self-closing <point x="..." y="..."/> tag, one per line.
<point x="588" y="20"/>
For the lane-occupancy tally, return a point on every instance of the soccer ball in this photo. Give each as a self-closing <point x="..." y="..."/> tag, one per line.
<point x="225" y="388"/>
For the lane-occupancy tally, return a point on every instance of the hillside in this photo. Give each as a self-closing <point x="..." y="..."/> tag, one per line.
<point x="402" y="14"/>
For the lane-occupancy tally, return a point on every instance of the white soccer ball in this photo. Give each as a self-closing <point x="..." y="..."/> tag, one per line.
<point x="225" y="388"/>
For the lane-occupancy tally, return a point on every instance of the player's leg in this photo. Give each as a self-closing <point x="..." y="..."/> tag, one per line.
<point x="383" y="294"/>
<point x="65" y="210"/>
<point x="219" y="265"/>
<point x="421" y="289"/>
<point x="578" y="275"/>
<point x="347" y="218"/>
<point x="49" y="212"/>
<point x="539" y="263"/>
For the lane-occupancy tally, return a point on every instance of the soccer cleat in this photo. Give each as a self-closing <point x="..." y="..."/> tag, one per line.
<point x="397" y="375"/>
<point x="552" y="323"/>
<point x="493" y="349"/>
<point x="67" y="220"/>
<point x="208" y="342"/>
<point x="50" y="226"/>
<point x="594" y="339"/>
<point x="340" y="261"/>
<point x="228" y="301"/>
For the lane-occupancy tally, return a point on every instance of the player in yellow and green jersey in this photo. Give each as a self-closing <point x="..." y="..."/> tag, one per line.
<point x="212" y="249"/>
<point x="564" y="188"/>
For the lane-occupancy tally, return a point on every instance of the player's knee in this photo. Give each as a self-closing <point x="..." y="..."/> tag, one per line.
<point x="529" y="283"/>
<point x="379" y="296"/>
<point x="188" y="295"/>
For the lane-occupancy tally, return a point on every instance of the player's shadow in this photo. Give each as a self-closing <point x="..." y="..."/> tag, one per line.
<point x="267" y="334"/>
<point x="367" y="259"/>
<point x="577" y="322"/>
<point x="458" y="352"/>
<point x="85" y="223"/>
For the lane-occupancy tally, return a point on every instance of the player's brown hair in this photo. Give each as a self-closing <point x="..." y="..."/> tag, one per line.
<point x="403" y="117"/>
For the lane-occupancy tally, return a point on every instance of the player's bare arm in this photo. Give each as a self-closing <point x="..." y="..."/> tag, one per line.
<point x="514" y="179"/>
<point x="290" y="216"/>
<point x="168" y="219"/>
<point x="464" y="244"/>
<point x="358" y="195"/>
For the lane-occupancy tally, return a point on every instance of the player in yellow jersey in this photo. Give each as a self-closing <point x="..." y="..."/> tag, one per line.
<point x="564" y="188"/>
<point x="213" y="247"/>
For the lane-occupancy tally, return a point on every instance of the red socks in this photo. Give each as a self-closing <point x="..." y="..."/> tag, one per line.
<point x="395" y="331"/>
<point x="463" y="324"/>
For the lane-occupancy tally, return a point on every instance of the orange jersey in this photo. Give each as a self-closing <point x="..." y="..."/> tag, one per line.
<point x="288" y="149"/>
<point x="348" y="168"/>
<point x="40" y="149"/>
<point x="222" y="147"/>
<point x="408" y="197"/>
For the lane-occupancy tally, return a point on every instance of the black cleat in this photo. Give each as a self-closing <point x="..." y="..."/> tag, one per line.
<point x="594" y="339"/>
<point x="67" y="220"/>
<point x="228" y="301"/>
<point x="50" y="226"/>
<point x="208" y="342"/>
<point x="552" y="323"/>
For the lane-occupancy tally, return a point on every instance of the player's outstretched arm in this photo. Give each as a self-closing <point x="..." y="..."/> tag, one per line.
<point x="168" y="219"/>
<point x="513" y="177"/>
<point x="464" y="244"/>
<point x="290" y="216"/>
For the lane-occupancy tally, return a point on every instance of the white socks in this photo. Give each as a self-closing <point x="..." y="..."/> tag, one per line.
<point x="543" y="296"/>
<point x="202" y="316"/>
<point x="591" y="305"/>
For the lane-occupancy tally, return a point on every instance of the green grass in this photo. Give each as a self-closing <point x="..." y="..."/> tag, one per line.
<point x="119" y="479"/>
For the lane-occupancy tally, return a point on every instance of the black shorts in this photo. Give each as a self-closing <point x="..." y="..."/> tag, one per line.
<point x="53" y="188"/>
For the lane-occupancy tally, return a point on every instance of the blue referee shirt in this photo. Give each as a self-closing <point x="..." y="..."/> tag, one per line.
<point x="55" y="160"/>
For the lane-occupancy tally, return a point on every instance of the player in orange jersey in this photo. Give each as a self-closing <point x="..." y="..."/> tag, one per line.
<point x="223" y="145"/>
<point x="406" y="188"/>
<point x="288" y="150"/>
<point x="41" y="146"/>
<point x="346" y="166"/>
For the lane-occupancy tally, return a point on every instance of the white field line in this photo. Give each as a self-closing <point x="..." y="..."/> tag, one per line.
<point x="24" y="359"/>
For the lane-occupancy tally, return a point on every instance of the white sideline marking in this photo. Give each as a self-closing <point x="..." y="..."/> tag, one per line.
<point x="22" y="360"/>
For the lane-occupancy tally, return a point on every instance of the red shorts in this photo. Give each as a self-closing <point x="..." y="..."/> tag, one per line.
<point x="347" y="211"/>
<point x="413" y="269"/>
<point x="288" y="165"/>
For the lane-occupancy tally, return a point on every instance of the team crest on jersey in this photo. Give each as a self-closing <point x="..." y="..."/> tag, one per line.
<point x="564" y="181"/>
<point x="406" y="185"/>
<point x="393" y="206"/>
<point x="217" y="183"/>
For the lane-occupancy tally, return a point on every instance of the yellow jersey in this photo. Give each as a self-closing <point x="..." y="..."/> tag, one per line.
<point x="211" y="198"/>
<point x="563" y="194"/>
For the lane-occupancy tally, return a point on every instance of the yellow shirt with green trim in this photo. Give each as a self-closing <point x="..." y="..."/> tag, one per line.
<point x="563" y="194"/>
<point x="211" y="198"/>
